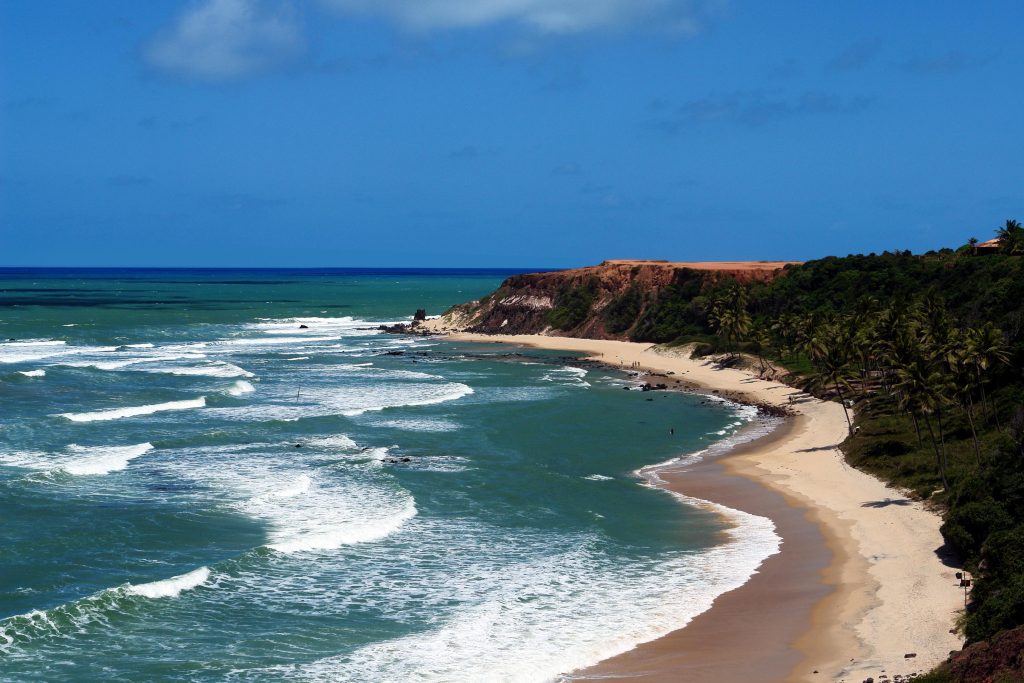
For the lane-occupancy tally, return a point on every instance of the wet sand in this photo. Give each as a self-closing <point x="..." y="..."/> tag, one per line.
<point x="753" y="633"/>
<point x="859" y="581"/>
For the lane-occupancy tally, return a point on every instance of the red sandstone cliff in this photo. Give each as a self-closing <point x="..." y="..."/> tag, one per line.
<point x="523" y="303"/>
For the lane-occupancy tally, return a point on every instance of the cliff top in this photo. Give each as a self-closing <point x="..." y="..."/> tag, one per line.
<point x="703" y="265"/>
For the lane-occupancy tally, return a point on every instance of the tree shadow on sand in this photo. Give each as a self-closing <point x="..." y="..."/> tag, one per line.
<point x="886" y="503"/>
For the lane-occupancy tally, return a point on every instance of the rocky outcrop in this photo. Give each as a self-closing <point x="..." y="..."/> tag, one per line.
<point x="995" y="661"/>
<point x="576" y="302"/>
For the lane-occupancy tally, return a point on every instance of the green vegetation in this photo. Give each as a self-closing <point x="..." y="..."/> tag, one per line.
<point x="621" y="312"/>
<point x="572" y="306"/>
<point x="927" y="352"/>
<point x="1011" y="238"/>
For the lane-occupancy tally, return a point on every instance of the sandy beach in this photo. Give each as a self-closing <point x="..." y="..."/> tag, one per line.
<point x="858" y="584"/>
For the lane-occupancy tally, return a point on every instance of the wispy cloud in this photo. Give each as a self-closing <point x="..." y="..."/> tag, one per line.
<point x="540" y="16"/>
<point x="759" y="108"/>
<point x="222" y="40"/>
<point x="25" y="103"/>
<point x="465" y="153"/>
<point x="945" y="63"/>
<point x="856" y="56"/>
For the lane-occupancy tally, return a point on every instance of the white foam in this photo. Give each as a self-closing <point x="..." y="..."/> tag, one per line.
<point x="335" y="529"/>
<point x="212" y="369"/>
<point x="79" y="614"/>
<point x="172" y="587"/>
<point x="335" y="441"/>
<point x="345" y="325"/>
<point x="452" y="392"/>
<point x="568" y="375"/>
<point x="133" y="411"/>
<point x="350" y="401"/>
<point x="308" y="512"/>
<point x="77" y="460"/>
<point x="598" y="477"/>
<point x="557" y="611"/>
<point x="241" y="387"/>
<point x="261" y="341"/>
<point x="420" y="425"/>
<point x="24" y="351"/>
<point x="102" y="459"/>
<point x="33" y="373"/>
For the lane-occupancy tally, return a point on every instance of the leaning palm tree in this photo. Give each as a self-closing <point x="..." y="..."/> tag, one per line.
<point x="830" y="367"/>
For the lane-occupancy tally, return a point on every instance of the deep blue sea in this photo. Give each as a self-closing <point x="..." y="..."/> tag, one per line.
<point x="232" y="475"/>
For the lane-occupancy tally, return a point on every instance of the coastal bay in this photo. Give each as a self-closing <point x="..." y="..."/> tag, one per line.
<point x="885" y="591"/>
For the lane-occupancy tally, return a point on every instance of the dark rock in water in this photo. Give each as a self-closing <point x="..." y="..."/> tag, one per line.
<point x="650" y="399"/>
<point x="298" y="445"/>
<point x="303" y="327"/>
<point x="626" y="388"/>
<point x="421" y="315"/>
<point x="395" y="353"/>
<point x="406" y="459"/>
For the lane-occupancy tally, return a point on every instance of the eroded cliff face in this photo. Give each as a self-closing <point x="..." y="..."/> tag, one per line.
<point x="597" y="302"/>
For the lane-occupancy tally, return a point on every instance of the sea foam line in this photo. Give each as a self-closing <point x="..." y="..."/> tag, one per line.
<point x="133" y="411"/>
<point x="559" y="613"/>
<point x="460" y="390"/>
<point x="78" y="460"/>
<point x="78" y="616"/>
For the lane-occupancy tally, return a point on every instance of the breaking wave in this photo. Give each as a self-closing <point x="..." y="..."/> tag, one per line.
<point x="118" y="413"/>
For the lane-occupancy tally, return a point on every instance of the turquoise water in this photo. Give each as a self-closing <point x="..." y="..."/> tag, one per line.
<point x="231" y="475"/>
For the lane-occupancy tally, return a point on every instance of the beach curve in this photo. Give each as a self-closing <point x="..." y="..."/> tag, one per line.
<point x="883" y="592"/>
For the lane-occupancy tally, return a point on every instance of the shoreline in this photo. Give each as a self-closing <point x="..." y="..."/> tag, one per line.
<point x="858" y="583"/>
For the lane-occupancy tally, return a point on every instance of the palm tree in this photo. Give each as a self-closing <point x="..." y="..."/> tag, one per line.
<point x="925" y="390"/>
<point x="1011" y="238"/>
<point x="830" y="365"/>
<point x="973" y="244"/>
<point x="729" y="315"/>
<point x="988" y="349"/>
<point x="959" y="356"/>
<point x="762" y="341"/>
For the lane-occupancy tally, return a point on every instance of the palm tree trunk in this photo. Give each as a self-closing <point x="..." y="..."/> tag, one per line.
<point x="842" y="402"/>
<point x="938" y="458"/>
<point x="942" y="438"/>
<point x="984" y="399"/>
<point x="974" y="432"/>
<point x="917" y="428"/>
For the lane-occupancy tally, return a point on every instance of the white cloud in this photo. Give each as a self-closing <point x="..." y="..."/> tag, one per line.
<point x="219" y="40"/>
<point x="541" y="16"/>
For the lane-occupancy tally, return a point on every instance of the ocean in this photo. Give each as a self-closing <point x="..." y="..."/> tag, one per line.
<point x="233" y="475"/>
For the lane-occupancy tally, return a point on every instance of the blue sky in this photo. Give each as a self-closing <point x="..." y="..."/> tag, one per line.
<point x="502" y="132"/>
